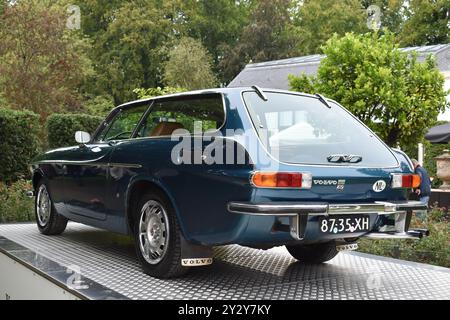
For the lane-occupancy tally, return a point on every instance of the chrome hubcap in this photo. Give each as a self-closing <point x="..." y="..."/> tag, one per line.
<point x="43" y="206"/>
<point x="153" y="232"/>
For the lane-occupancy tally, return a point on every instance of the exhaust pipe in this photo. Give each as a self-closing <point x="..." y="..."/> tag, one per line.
<point x="424" y="232"/>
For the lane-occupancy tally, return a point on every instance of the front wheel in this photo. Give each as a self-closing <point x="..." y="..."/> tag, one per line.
<point x="158" y="237"/>
<point x="49" y="222"/>
<point x="313" y="253"/>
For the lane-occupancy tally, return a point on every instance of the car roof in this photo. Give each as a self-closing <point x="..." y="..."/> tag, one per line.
<point x="210" y="91"/>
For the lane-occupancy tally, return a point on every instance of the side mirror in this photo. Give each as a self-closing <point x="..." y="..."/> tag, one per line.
<point x="82" y="137"/>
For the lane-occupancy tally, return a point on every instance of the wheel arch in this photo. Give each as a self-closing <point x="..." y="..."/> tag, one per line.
<point x="37" y="176"/>
<point x="136" y="189"/>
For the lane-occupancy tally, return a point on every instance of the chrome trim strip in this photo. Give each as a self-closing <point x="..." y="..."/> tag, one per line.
<point x="397" y="235"/>
<point x="411" y="166"/>
<point x="352" y="208"/>
<point x="285" y="209"/>
<point x="90" y="163"/>
<point x="125" y="165"/>
<point x="295" y="208"/>
<point x="70" y="162"/>
<point x="404" y="205"/>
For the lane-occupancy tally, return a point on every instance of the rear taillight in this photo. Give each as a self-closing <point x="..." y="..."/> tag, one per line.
<point x="405" y="180"/>
<point x="282" y="180"/>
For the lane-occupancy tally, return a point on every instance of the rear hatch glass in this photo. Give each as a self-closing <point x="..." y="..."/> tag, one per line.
<point x="301" y="129"/>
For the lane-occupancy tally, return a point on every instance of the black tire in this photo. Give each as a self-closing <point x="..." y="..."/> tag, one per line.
<point x="313" y="253"/>
<point x="169" y="264"/>
<point x="54" y="223"/>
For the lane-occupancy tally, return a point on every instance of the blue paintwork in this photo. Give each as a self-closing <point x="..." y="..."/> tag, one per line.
<point x="94" y="187"/>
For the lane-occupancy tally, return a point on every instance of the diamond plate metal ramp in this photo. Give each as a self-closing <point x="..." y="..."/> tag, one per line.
<point x="108" y="261"/>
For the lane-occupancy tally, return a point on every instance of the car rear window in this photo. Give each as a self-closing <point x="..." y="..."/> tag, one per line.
<point x="302" y="129"/>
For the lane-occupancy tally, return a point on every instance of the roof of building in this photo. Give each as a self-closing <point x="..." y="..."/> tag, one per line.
<point x="274" y="74"/>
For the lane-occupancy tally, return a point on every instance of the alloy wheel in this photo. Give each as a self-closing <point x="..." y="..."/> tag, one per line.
<point x="153" y="232"/>
<point x="43" y="206"/>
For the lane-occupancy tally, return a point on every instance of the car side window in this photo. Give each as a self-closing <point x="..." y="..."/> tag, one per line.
<point x="202" y="112"/>
<point x="123" y="124"/>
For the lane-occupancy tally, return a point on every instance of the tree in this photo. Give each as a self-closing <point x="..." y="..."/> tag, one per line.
<point x="390" y="91"/>
<point x="428" y="22"/>
<point x="96" y="15"/>
<point x="217" y="24"/>
<point x="99" y="105"/>
<point x="268" y="36"/>
<point x="42" y="64"/>
<point x="189" y="66"/>
<point x="2" y="6"/>
<point x="128" y="53"/>
<point x="317" y="20"/>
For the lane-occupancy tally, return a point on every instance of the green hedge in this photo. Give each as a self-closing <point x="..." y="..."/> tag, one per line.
<point x="15" y="206"/>
<point x="61" y="128"/>
<point x="19" y="143"/>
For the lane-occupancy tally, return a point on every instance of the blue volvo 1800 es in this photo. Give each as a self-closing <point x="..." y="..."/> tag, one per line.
<point x="260" y="168"/>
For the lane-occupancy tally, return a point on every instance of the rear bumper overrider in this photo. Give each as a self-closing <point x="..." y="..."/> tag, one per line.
<point x="298" y="213"/>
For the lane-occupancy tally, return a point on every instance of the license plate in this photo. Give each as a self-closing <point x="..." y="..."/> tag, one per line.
<point x="344" y="224"/>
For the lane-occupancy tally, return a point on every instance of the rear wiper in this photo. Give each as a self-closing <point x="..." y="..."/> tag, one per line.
<point x="323" y="100"/>
<point x="260" y="93"/>
<point x="350" y="158"/>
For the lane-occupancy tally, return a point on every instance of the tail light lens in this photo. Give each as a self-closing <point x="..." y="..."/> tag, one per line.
<point x="282" y="180"/>
<point x="405" y="180"/>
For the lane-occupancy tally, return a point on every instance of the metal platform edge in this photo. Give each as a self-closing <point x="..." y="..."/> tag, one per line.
<point x="400" y="261"/>
<point x="56" y="273"/>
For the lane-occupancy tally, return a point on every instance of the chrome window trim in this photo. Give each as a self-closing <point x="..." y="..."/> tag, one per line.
<point x="308" y="164"/>
<point x="114" y="114"/>
<point x="408" y="159"/>
<point x="149" y="111"/>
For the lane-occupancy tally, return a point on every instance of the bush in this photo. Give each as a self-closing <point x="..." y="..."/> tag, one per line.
<point x="15" y="206"/>
<point x="61" y="128"/>
<point x="434" y="249"/>
<point x="100" y="105"/>
<point x="19" y="143"/>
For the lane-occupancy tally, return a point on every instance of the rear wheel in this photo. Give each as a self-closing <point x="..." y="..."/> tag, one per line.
<point x="158" y="237"/>
<point x="313" y="253"/>
<point x="49" y="222"/>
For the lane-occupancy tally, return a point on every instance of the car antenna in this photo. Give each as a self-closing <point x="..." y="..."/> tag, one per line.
<point x="323" y="100"/>
<point x="260" y="93"/>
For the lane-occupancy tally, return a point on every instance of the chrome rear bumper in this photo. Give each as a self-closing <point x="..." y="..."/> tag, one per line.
<point x="298" y="213"/>
<point x="323" y="208"/>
